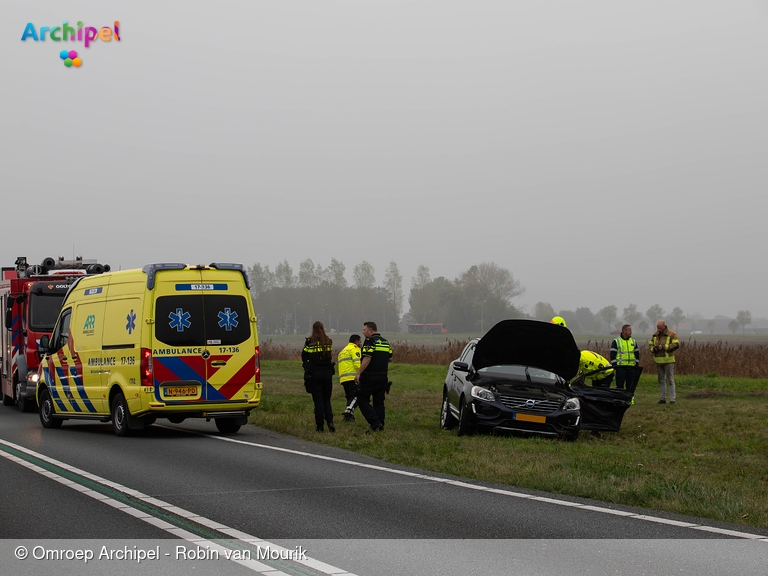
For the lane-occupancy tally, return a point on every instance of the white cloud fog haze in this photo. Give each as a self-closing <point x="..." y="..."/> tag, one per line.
<point x="604" y="152"/>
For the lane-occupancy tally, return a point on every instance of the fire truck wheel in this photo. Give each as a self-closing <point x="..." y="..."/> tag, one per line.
<point x="120" y="416"/>
<point x="7" y="400"/>
<point x="47" y="411"/>
<point x="24" y="404"/>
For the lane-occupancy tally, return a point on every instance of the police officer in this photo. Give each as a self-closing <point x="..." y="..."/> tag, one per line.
<point x="372" y="377"/>
<point x="625" y="356"/>
<point x="349" y="362"/>
<point x="317" y="359"/>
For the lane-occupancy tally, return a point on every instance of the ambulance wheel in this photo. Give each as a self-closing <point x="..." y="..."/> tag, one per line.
<point x="120" y="416"/>
<point x="227" y="425"/>
<point x="47" y="411"/>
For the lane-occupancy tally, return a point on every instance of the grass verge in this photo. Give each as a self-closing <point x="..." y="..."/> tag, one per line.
<point x="704" y="455"/>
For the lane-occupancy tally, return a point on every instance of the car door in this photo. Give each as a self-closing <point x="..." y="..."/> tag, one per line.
<point x="457" y="379"/>
<point x="603" y="409"/>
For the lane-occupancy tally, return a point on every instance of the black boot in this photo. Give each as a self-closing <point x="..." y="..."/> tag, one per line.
<point x="319" y="428"/>
<point x="331" y="427"/>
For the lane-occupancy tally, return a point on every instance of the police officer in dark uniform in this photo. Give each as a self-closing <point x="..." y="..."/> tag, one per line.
<point x="316" y="357"/>
<point x="372" y="377"/>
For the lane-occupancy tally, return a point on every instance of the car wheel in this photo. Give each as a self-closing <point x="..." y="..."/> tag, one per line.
<point x="465" y="426"/>
<point x="227" y="425"/>
<point x="120" y="416"/>
<point x="570" y="437"/>
<point x="47" y="411"/>
<point x="447" y="420"/>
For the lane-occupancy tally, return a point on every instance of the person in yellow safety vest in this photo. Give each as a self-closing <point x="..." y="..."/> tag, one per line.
<point x="591" y="361"/>
<point x="559" y="320"/>
<point x="663" y="344"/>
<point x="349" y="362"/>
<point x="625" y="356"/>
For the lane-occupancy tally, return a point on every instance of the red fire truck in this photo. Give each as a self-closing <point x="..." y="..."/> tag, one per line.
<point x="31" y="296"/>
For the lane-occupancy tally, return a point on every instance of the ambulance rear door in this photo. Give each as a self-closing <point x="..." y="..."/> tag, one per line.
<point x="231" y="366"/>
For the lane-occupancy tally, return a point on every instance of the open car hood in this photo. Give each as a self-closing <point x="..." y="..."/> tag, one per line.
<point x="529" y="343"/>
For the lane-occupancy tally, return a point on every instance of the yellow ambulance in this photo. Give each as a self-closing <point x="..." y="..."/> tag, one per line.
<point x="166" y="341"/>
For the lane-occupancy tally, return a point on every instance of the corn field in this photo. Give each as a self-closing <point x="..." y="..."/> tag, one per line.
<point x="744" y="360"/>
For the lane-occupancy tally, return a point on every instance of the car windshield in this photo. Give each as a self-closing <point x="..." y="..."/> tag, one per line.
<point x="517" y="370"/>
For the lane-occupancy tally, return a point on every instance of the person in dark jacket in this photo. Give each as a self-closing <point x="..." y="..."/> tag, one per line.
<point x="317" y="359"/>
<point x="372" y="377"/>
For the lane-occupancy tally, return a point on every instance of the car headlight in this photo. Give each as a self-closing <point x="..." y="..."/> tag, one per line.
<point x="572" y="404"/>
<point x="483" y="394"/>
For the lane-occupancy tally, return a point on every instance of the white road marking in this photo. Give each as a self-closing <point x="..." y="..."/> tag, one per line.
<point x="159" y="523"/>
<point x="469" y="486"/>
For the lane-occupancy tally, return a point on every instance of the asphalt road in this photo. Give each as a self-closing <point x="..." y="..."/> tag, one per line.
<point x="83" y="484"/>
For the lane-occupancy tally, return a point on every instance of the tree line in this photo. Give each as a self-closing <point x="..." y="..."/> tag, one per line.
<point x="288" y="301"/>
<point x="584" y="321"/>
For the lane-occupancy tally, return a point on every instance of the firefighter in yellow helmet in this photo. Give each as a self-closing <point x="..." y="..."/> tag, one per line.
<point x="591" y="361"/>
<point x="559" y="320"/>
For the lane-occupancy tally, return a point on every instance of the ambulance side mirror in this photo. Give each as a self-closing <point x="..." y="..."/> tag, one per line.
<point x="45" y="344"/>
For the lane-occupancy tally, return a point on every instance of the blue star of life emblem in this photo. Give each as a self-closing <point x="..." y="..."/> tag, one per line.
<point x="179" y="320"/>
<point x="131" y="326"/>
<point x="228" y="319"/>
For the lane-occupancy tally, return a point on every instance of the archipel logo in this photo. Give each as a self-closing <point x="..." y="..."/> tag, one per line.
<point x="65" y="33"/>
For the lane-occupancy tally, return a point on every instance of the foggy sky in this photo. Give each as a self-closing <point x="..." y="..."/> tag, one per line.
<point x="605" y="152"/>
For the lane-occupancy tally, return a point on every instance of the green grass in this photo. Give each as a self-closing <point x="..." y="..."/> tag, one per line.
<point x="704" y="456"/>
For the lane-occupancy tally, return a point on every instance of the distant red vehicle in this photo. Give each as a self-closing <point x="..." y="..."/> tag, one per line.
<point x="31" y="296"/>
<point x="435" y="328"/>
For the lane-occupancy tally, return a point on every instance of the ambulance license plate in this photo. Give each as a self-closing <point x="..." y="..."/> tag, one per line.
<point x="180" y="391"/>
<point x="531" y="418"/>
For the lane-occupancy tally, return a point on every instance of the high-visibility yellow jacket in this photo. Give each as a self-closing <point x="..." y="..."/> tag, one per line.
<point x="591" y="361"/>
<point x="668" y="342"/>
<point x="349" y="362"/>
<point x="624" y="352"/>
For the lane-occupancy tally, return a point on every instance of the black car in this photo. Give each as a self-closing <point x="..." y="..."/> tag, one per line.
<point x="523" y="376"/>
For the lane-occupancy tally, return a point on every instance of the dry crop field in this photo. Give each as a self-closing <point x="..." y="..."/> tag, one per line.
<point x="743" y="358"/>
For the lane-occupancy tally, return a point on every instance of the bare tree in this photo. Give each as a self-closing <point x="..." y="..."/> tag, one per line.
<point x="308" y="274"/>
<point x="284" y="275"/>
<point x="498" y="281"/>
<point x="608" y="314"/>
<point x="543" y="311"/>
<point x="676" y="316"/>
<point x="421" y="278"/>
<point x="743" y="317"/>
<point x="654" y="314"/>
<point x="631" y="315"/>
<point x="364" y="275"/>
<point x="262" y="279"/>
<point x="334" y="274"/>
<point x="393" y="284"/>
